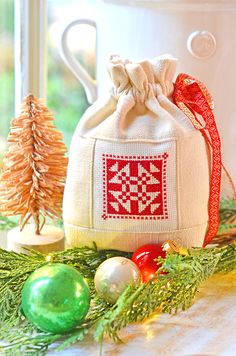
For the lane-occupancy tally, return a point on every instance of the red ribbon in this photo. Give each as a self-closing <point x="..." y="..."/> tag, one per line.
<point x="193" y="98"/>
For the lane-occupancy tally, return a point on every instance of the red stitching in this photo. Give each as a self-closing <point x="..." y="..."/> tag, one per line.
<point x="123" y="195"/>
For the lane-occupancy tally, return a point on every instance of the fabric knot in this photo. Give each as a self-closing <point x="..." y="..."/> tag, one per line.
<point x="140" y="96"/>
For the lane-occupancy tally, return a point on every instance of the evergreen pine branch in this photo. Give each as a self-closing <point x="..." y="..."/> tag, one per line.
<point x="36" y="343"/>
<point x="168" y="293"/>
<point x="227" y="211"/>
<point x="30" y="345"/>
<point x="227" y="216"/>
<point x="15" y="268"/>
<point x="225" y="227"/>
<point x="227" y="261"/>
<point x="77" y="335"/>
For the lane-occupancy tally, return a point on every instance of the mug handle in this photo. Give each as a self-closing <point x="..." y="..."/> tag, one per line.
<point x="77" y="69"/>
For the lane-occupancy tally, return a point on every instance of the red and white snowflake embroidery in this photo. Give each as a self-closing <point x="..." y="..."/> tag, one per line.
<point x="134" y="187"/>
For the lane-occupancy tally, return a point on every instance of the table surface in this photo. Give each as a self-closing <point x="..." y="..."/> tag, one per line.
<point x="206" y="329"/>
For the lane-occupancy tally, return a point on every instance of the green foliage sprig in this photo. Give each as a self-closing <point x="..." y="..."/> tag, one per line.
<point x="227" y="215"/>
<point x="168" y="293"/>
<point x="19" y="335"/>
<point x="6" y="223"/>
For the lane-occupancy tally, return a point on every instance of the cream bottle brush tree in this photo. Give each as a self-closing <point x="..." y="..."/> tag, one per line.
<point x="34" y="170"/>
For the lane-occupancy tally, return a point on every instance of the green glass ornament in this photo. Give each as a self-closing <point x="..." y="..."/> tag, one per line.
<point x="55" y="298"/>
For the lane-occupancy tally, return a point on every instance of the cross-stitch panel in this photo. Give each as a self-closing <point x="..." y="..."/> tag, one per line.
<point x="135" y="186"/>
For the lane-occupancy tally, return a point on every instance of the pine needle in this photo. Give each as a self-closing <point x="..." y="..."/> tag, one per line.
<point x="167" y="293"/>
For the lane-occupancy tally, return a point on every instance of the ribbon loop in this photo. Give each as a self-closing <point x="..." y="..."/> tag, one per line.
<point x="193" y="98"/>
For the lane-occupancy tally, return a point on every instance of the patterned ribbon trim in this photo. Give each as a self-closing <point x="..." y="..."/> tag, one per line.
<point x="193" y="98"/>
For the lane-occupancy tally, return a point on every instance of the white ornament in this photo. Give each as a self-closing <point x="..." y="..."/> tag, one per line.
<point x="114" y="275"/>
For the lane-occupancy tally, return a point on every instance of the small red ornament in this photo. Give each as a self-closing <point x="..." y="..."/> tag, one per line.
<point x="144" y="258"/>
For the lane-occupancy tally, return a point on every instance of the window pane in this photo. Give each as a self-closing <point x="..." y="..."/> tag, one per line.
<point x="6" y="70"/>
<point x="66" y="96"/>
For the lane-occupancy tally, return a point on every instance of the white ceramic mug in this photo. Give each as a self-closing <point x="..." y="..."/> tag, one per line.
<point x="201" y="34"/>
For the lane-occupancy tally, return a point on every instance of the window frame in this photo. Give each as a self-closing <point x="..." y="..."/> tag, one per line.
<point x="30" y="45"/>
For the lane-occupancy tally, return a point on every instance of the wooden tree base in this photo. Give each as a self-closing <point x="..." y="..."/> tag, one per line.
<point x="50" y="239"/>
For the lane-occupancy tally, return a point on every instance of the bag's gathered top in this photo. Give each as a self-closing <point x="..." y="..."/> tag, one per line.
<point x="145" y="161"/>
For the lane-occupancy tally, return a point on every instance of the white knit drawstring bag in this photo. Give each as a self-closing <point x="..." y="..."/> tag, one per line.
<point x="138" y="169"/>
